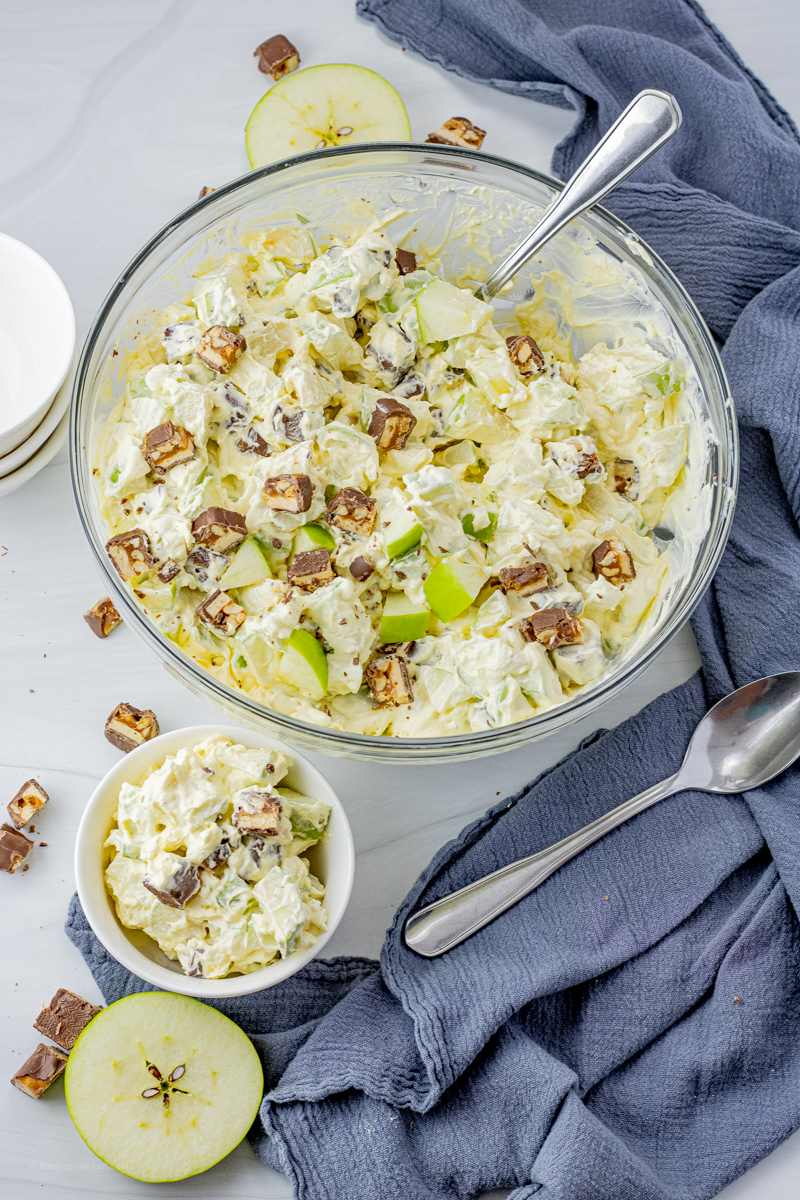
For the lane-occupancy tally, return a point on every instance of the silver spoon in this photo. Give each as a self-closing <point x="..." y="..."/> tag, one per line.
<point x="650" y="120"/>
<point x="743" y="741"/>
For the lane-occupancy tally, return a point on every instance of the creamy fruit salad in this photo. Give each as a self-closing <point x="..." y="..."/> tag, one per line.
<point x="208" y="859"/>
<point x="336" y="484"/>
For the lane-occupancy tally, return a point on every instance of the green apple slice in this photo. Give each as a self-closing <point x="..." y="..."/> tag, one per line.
<point x="313" y="537"/>
<point x="452" y="586"/>
<point x="485" y="533"/>
<point x="402" y="620"/>
<point x="445" y="312"/>
<point x="304" y="665"/>
<point x="337" y="104"/>
<point x="162" y="1129"/>
<point x="401" y="531"/>
<point x="248" y="566"/>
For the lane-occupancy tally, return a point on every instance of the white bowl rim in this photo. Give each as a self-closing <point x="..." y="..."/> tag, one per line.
<point x="25" y="451"/>
<point x="62" y="365"/>
<point x="111" y="933"/>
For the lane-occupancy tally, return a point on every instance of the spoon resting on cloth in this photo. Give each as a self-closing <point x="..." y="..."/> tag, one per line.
<point x="650" y="120"/>
<point x="741" y="743"/>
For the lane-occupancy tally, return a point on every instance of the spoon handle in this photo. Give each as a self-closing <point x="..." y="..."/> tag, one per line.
<point x="437" y="928"/>
<point x="647" y="123"/>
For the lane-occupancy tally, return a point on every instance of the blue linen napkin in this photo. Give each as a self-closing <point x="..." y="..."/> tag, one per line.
<point x="631" y="1031"/>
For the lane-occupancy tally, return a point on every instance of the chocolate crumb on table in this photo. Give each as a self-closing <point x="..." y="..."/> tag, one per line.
<point x="65" y="1018"/>
<point x="14" y="848"/>
<point x="42" y="1068"/>
<point x="102" y="617"/>
<point x="205" y="191"/>
<point x="277" y="56"/>
<point x="458" y="131"/>
<point x="128" y="727"/>
<point x="29" y="800"/>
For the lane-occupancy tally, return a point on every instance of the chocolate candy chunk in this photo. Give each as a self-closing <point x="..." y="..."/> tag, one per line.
<point x="525" y="580"/>
<point x="388" y="681"/>
<point x="180" y="888"/>
<point x="588" y="463"/>
<point x="391" y="424"/>
<point x="167" y="446"/>
<point x="102" y="618"/>
<point x="525" y="354"/>
<point x="221" y="613"/>
<point x="206" y="566"/>
<point x="412" y="384"/>
<point x="613" y="561"/>
<point x="168" y="571"/>
<point x="128" y="727"/>
<point x="218" y="856"/>
<point x="289" y="493"/>
<point x="258" y="811"/>
<point x="406" y="261"/>
<point x="130" y="553"/>
<point x="219" y="528"/>
<point x="552" y="627"/>
<point x="30" y="798"/>
<point x="205" y="191"/>
<point x="277" y="57"/>
<point x="219" y="348"/>
<point x="626" y="478"/>
<point x="264" y="854"/>
<point x="42" y="1068"/>
<point x="311" y="569"/>
<point x="253" y="443"/>
<point x="14" y="848"/>
<point x="65" y="1018"/>
<point x="240" y="412"/>
<point x="351" y="510"/>
<point x="293" y="426"/>
<point x="458" y="131"/>
<point x="361" y="569"/>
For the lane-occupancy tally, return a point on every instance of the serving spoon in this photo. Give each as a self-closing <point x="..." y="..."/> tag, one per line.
<point x="650" y="120"/>
<point x="741" y="743"/>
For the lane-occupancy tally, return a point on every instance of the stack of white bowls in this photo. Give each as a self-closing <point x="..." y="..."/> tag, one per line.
<point x="37" y="359"/>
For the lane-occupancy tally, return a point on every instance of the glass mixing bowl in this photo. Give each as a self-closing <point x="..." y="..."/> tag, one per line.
<point x="470" y="209"/>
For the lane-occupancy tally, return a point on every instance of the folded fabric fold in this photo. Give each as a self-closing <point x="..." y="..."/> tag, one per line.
<point x="632" y="1028"/>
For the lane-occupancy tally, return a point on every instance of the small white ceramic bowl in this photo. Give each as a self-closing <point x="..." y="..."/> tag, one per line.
<point x="37" y="340"/>
<point x="332" y="861"/>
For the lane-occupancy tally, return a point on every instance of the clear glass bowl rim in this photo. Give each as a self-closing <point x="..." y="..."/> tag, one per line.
<point x="368" y="747"/>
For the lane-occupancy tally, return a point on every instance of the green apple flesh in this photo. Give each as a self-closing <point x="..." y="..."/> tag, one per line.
<point x="485" y="533"/>
<point x="451" y="587"/>
<point x="304" y="665"/>
<point x="193" y="1120"/>
<point x="313" y="537"/>
<point x="332" y="105"/>
<point x="248" y="566"/>
<point x="402" y="531"/>
<point x="446" y="312"/>
<point x="403" y="621"/>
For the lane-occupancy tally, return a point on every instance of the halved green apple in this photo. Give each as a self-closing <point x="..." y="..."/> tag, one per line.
<point x="304" y="665"/>
<point x="445" y="311"/>
<point x="402" y="620"/>
<point x="161" y="1086"/>
<point x="336" y="104"/>
<point x="248" y="566"/>
<point x="313" y="537"/>
<point x="452" y="586"/>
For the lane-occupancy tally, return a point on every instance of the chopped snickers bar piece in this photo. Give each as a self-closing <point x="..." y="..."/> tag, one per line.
<point x="277" y="56"/>
<point x="219" y="348"/>
<point x="128" y="727"/>
<point x="30" y="798"/>
<point x="258" y="811"/>
<point x="218" y="856"/>
<point x="253" y="443"/>
<point x="361" y="569"/>
<point x="206" y="566"/>
<point x="130" y="553"/>
<point x="289" y="493"/>
<point x="167" y="446"/>
<point x="412" y="384"/>
<point x="391" y="424"/>
<point x="103" y="617"/>
<point x="221" y="613"/>
<point x="525" y="580"/>
<point x="219" y="529"/>
<point x="588" y="463"/>
<point x="626" y="478"/>
<point x="42" y="1068"/>
<point x="65" y="1018"/>
<point x="14" y="848"/>
<point x="458" y="131"/>
<point x="613" y="561"/>
<point x="293" y="426"/>
<point x="388" y="681"/>
<point x="406" y="261"/>
<point x="525" y="354"/>
<point x="552" y="627"/>
<point x="311" y="569"/>
<point x="168" y="571"/>
<point x="180" y="888"/>
<point x="351" y="510"/>
<point x="205" y="191"/>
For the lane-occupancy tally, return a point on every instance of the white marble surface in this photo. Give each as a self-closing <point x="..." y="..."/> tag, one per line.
<point x="112" y="116"/>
